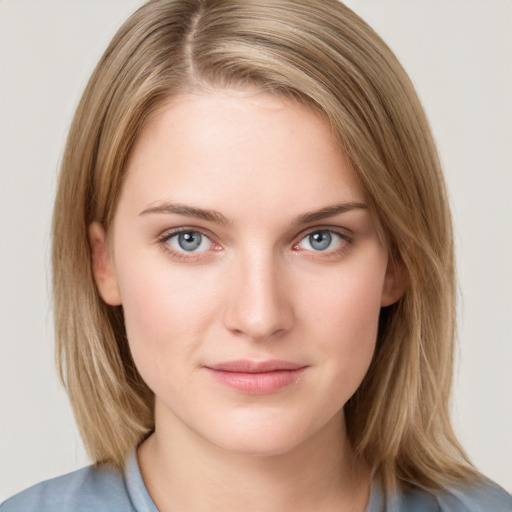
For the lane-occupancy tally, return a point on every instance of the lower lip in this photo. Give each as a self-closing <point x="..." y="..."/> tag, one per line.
<point x="263" y="383"/>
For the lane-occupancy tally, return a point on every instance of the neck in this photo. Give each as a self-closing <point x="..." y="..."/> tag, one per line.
<point x="185" y="472"/>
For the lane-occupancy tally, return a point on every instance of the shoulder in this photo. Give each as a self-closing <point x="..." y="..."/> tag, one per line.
<point x="101" y="489"/>
<point x="486" y="496"/>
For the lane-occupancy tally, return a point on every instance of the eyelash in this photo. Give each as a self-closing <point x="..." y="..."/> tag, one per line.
<point x="183" y="255"/>
<point x="345" y="242"/>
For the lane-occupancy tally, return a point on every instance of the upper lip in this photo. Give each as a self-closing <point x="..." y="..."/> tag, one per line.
<point x="247" y="366"/>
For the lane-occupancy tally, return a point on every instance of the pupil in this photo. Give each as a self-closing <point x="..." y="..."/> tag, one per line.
<point x="189" y="241"/>
<point x="320" y="241"/>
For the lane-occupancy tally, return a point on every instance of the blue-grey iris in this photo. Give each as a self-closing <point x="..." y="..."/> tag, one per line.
<point x="320" y="240"/>
<point x="190" y="241"/>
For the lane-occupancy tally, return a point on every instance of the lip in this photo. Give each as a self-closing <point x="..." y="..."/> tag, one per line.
<point x="256" y="377"/>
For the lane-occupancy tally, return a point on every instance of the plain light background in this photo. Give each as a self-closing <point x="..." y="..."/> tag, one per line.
<point x="459" y="55"/>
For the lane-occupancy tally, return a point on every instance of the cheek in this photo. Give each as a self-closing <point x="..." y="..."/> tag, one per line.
<point x="347" y="300"/>
<point x="166" y="313"/>
<point x="344" y="322"/>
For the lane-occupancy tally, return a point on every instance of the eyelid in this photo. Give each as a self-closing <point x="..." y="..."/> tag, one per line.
<point x="184" y="255"/>
<point x="168" y="233"/>
<point x="345" y="234"/>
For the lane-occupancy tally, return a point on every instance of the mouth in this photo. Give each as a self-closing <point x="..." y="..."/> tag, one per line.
<point x="256" y="377"/>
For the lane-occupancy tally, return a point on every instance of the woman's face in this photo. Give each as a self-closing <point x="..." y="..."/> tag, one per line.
<point x="249" y="270"/>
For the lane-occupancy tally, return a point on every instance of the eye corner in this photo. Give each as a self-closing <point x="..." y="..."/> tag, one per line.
<point x="187" y="244"/>
<point x="340" y="241"/>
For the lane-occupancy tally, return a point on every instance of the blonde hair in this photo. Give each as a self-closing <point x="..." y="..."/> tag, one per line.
<point x="322" y="54"/>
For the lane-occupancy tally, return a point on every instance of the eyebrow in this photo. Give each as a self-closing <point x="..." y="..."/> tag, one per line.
<point x="328" y="211"/>
<point x="188" y="211"/>
<point x="215" y="216"/>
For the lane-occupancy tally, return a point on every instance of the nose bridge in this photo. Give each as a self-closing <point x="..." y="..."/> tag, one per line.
<point x="258" y="305"/>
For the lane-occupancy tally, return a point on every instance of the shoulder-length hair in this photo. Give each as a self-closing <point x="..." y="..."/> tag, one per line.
<point x="320" y="53"/>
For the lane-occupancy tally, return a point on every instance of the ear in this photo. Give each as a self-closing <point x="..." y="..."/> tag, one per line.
<point x="395" y="281"/>
<point x="102" y="266"/>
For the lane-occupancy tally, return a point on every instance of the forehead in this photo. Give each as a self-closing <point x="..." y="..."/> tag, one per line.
<point x="236" y="148"/>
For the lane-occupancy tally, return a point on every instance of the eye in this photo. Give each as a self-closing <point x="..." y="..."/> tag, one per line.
<point x="189" y="241"/>
<point x="323" y="240"/>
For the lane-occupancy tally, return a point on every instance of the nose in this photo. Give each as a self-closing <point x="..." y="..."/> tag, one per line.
<point x="259" y="305"/>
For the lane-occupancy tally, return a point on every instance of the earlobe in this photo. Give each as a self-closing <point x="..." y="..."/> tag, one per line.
<point x="394" y="282"/>
<point x="102" y="266"/>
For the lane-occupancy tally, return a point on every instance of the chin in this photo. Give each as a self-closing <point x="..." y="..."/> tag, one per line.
<point x="263" y="445"/>
<point x="262" y="437"/>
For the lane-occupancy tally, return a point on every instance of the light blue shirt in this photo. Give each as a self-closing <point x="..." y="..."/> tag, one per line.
<point x="103" y="489"/>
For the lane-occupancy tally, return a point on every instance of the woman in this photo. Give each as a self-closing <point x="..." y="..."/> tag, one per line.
<point x="253" y="272"/>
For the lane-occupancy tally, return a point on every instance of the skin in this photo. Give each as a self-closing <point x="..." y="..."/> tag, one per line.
<point x="257" y="288"/>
